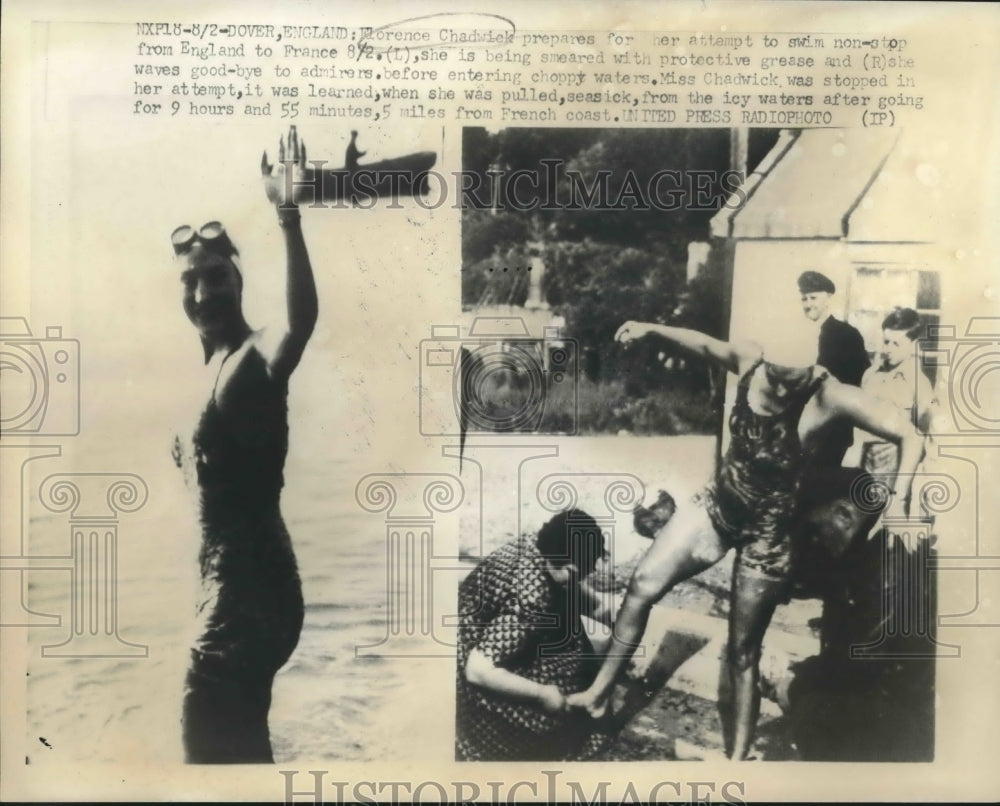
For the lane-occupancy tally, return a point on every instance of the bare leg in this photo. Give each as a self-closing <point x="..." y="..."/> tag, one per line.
<point x="684" y="547"/>
<point x="752" y="602"/>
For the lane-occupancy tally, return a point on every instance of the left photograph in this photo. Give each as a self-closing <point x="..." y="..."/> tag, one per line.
<point x="208" y="582"/>
<point x="250" y="609"/>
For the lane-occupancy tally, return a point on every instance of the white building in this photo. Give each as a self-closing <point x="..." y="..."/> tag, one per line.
<point x="857" y="205"/>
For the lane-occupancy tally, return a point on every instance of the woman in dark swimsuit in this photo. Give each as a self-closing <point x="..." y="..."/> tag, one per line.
<point x="250" y="609"/>
<point x="782" y="401"/>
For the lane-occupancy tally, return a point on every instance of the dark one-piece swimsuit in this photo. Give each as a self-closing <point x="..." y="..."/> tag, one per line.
<point x="250" y="609"/>
<point x="751" y="501"/>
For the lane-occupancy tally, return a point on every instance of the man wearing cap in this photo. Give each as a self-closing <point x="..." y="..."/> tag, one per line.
<point x="841" y="351"/>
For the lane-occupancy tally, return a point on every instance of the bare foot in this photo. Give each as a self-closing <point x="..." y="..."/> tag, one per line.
<point x="685" y="750"/>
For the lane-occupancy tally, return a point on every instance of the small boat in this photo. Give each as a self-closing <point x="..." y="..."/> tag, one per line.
<point x="359" y="184"/>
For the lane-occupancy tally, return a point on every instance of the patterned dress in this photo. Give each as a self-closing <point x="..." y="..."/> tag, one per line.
<point x="751" y="500"/>
<point x="512" y="612"/>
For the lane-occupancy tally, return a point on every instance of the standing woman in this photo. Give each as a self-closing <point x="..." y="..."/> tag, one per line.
<point x="782" y="402"/>
<point x="250" y="609"/>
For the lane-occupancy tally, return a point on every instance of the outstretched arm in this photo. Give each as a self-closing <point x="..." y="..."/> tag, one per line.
<point x="303" y="307"/>
<point x="725" y="354"/>
<point x="882" y="419"/>
<point x="481" y="671"/>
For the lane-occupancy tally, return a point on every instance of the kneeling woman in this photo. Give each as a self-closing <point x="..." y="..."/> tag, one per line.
<point x="781" y="404"/>
<point x="522" y="647"/>
<point x="250" y="610"/>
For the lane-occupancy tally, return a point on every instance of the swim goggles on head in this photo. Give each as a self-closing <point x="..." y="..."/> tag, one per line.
<point x="211" y="235"/>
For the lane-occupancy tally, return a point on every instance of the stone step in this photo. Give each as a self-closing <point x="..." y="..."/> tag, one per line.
<point x="689" y="647"/>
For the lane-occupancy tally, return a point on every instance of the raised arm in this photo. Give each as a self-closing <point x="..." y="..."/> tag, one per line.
<point x="725" y="354"/>
<point x="303" y="307"/>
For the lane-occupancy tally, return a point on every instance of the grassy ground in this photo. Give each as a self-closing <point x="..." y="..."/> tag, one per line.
<point x="606" y="407"/>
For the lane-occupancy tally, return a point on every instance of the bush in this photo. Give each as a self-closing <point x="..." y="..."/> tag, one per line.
<point x="606" y="408"/>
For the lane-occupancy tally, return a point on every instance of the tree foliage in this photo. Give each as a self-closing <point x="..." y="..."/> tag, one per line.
<point x="609" y="259"/>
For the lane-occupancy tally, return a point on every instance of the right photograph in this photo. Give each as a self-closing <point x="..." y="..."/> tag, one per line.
<point x="743" y="326"/>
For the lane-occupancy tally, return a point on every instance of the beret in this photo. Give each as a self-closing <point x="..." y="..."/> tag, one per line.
<point x="812" y="281"/>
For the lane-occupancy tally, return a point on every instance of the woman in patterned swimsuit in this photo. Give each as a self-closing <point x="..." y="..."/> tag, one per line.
<point x="250" y="609"/>
<point x="782" y="401"/>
